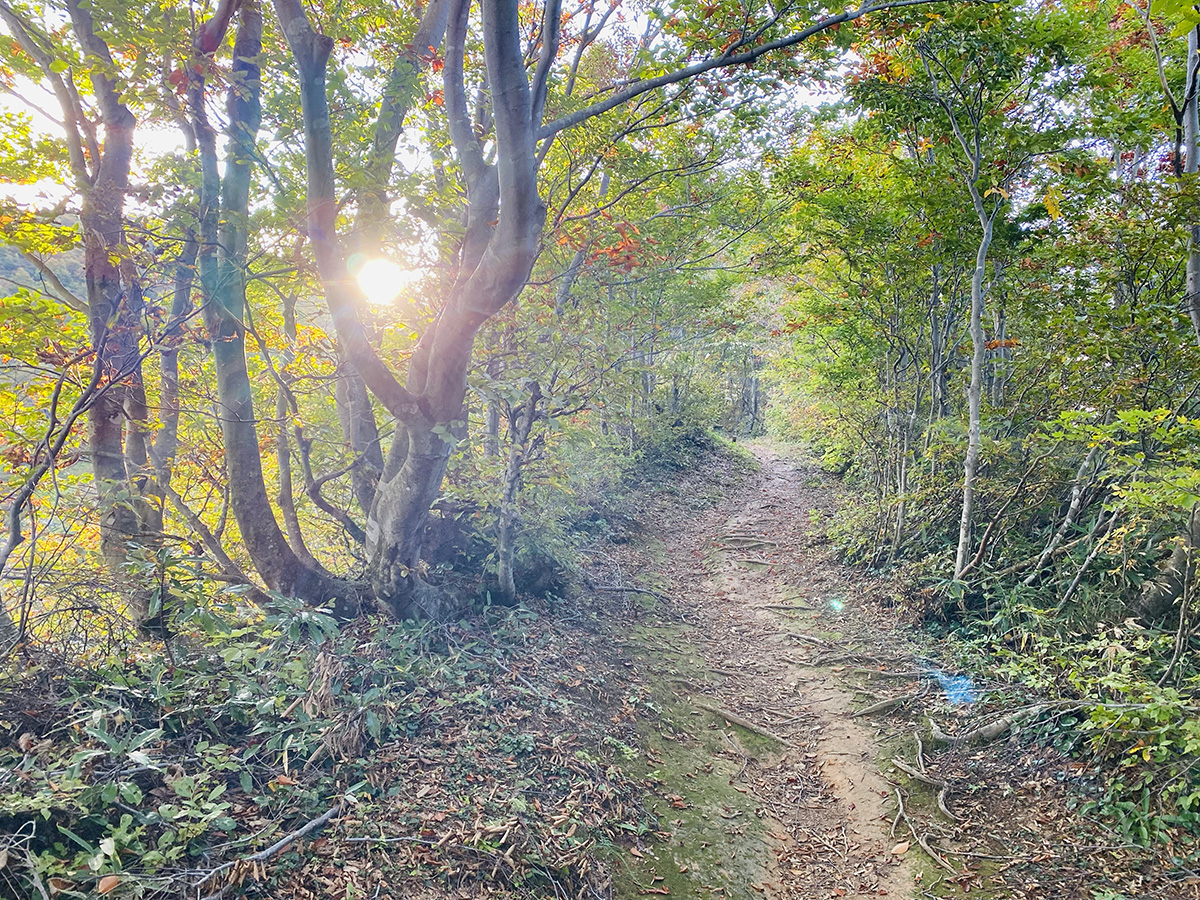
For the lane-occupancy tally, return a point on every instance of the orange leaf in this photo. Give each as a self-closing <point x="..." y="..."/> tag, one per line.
<point x="108" y="884"/>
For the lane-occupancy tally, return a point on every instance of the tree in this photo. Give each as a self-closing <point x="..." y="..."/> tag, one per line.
<point x="982" y="70"/>
<point x="504" y="219"/>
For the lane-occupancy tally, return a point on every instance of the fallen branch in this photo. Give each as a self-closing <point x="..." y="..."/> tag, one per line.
<point x="735" y="719"/>
<point x="992" y="730"/>
<point x="787" y="606"/>
<point x="1026" y="563"/>
<point x="278" y="846"/>
<point x="883" y="673"/>
<point x="602" y="589"/>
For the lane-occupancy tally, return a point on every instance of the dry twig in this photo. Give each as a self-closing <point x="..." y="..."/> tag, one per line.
<point x="885" y="705"/>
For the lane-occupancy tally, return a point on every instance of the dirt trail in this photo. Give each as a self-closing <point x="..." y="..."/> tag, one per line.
<point x="764" y="600"/>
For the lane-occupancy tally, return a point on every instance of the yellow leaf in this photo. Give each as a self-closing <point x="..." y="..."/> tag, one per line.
<point x="1053" y="202"/>
<point x="996" y="190"/>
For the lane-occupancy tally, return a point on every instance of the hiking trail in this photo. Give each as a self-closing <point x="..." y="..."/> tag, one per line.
<point x="764" y="612"/>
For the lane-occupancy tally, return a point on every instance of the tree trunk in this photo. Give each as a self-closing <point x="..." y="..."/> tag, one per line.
<point x="411" y="481"/>
<point x="114" y="317"/>
<point x="520" y="425"/>
<point x="974" y="396"/>
<point x="1160" y="593"/>
<point x="1191" y="145"/>
<point x="357" y="418"/>
<point x="222" y="261"/>
<point x="356" y="414"/>
<point x="504" y="224"/>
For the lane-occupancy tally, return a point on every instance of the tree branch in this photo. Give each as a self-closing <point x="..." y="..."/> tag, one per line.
<point x="720" y="62"/>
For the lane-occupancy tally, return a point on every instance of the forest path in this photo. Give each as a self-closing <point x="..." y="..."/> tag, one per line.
<point x="764" y="605"/>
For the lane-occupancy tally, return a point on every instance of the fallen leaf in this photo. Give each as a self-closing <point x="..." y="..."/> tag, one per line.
<point x="108" y="884"/>
<point x="900" y="849"/>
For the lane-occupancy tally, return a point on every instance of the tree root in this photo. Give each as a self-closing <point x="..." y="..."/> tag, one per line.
<point x="929" y="851"/>
<point x="744" y="542"/>
<point x="808" y="639"/>
<point x="918" y="775"/>
<point x="735" y="719"/>
<point x="885" y="705"/>
<point x="991" y="731"/>
<point x="925" y="778"/>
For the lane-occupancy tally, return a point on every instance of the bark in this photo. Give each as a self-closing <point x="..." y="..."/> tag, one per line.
<point x="974" y="396"/>
<point x="356" y="415"/>
<point x="1191" y="144"/>
<point x="166" y="444"/>
<point x="1160" y="594"/>
<point x="115" y="327"/>
<point x="284" y="415"/>
<point x="520" y="426"/>
<point x="355" y="411"/>
<point x="971" y="145"/>
<point x="224" y="205"/>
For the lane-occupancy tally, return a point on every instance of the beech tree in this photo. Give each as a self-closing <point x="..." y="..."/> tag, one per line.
<point x="498" y="148"/>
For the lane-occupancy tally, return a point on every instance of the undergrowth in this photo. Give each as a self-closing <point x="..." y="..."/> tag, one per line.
<point x="1120" y="700"/>
<point x="461" y="749"/>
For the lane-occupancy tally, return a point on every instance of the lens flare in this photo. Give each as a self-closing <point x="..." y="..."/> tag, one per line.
<point x="382" y="281"/>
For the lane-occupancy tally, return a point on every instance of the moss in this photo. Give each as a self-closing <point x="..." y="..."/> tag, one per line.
<point x="712" y="841"/>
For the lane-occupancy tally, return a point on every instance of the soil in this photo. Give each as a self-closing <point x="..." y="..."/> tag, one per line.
<point x="767" y="666"/>
<point x="725" y="714"/>
<point x="752" y="580"/>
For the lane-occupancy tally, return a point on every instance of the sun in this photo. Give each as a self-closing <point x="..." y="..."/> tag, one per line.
<point x="382" y="281"/>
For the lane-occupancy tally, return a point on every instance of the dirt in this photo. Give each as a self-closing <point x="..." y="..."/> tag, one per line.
<point x="757" y="595"/>
<point x="778" y="685"/>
